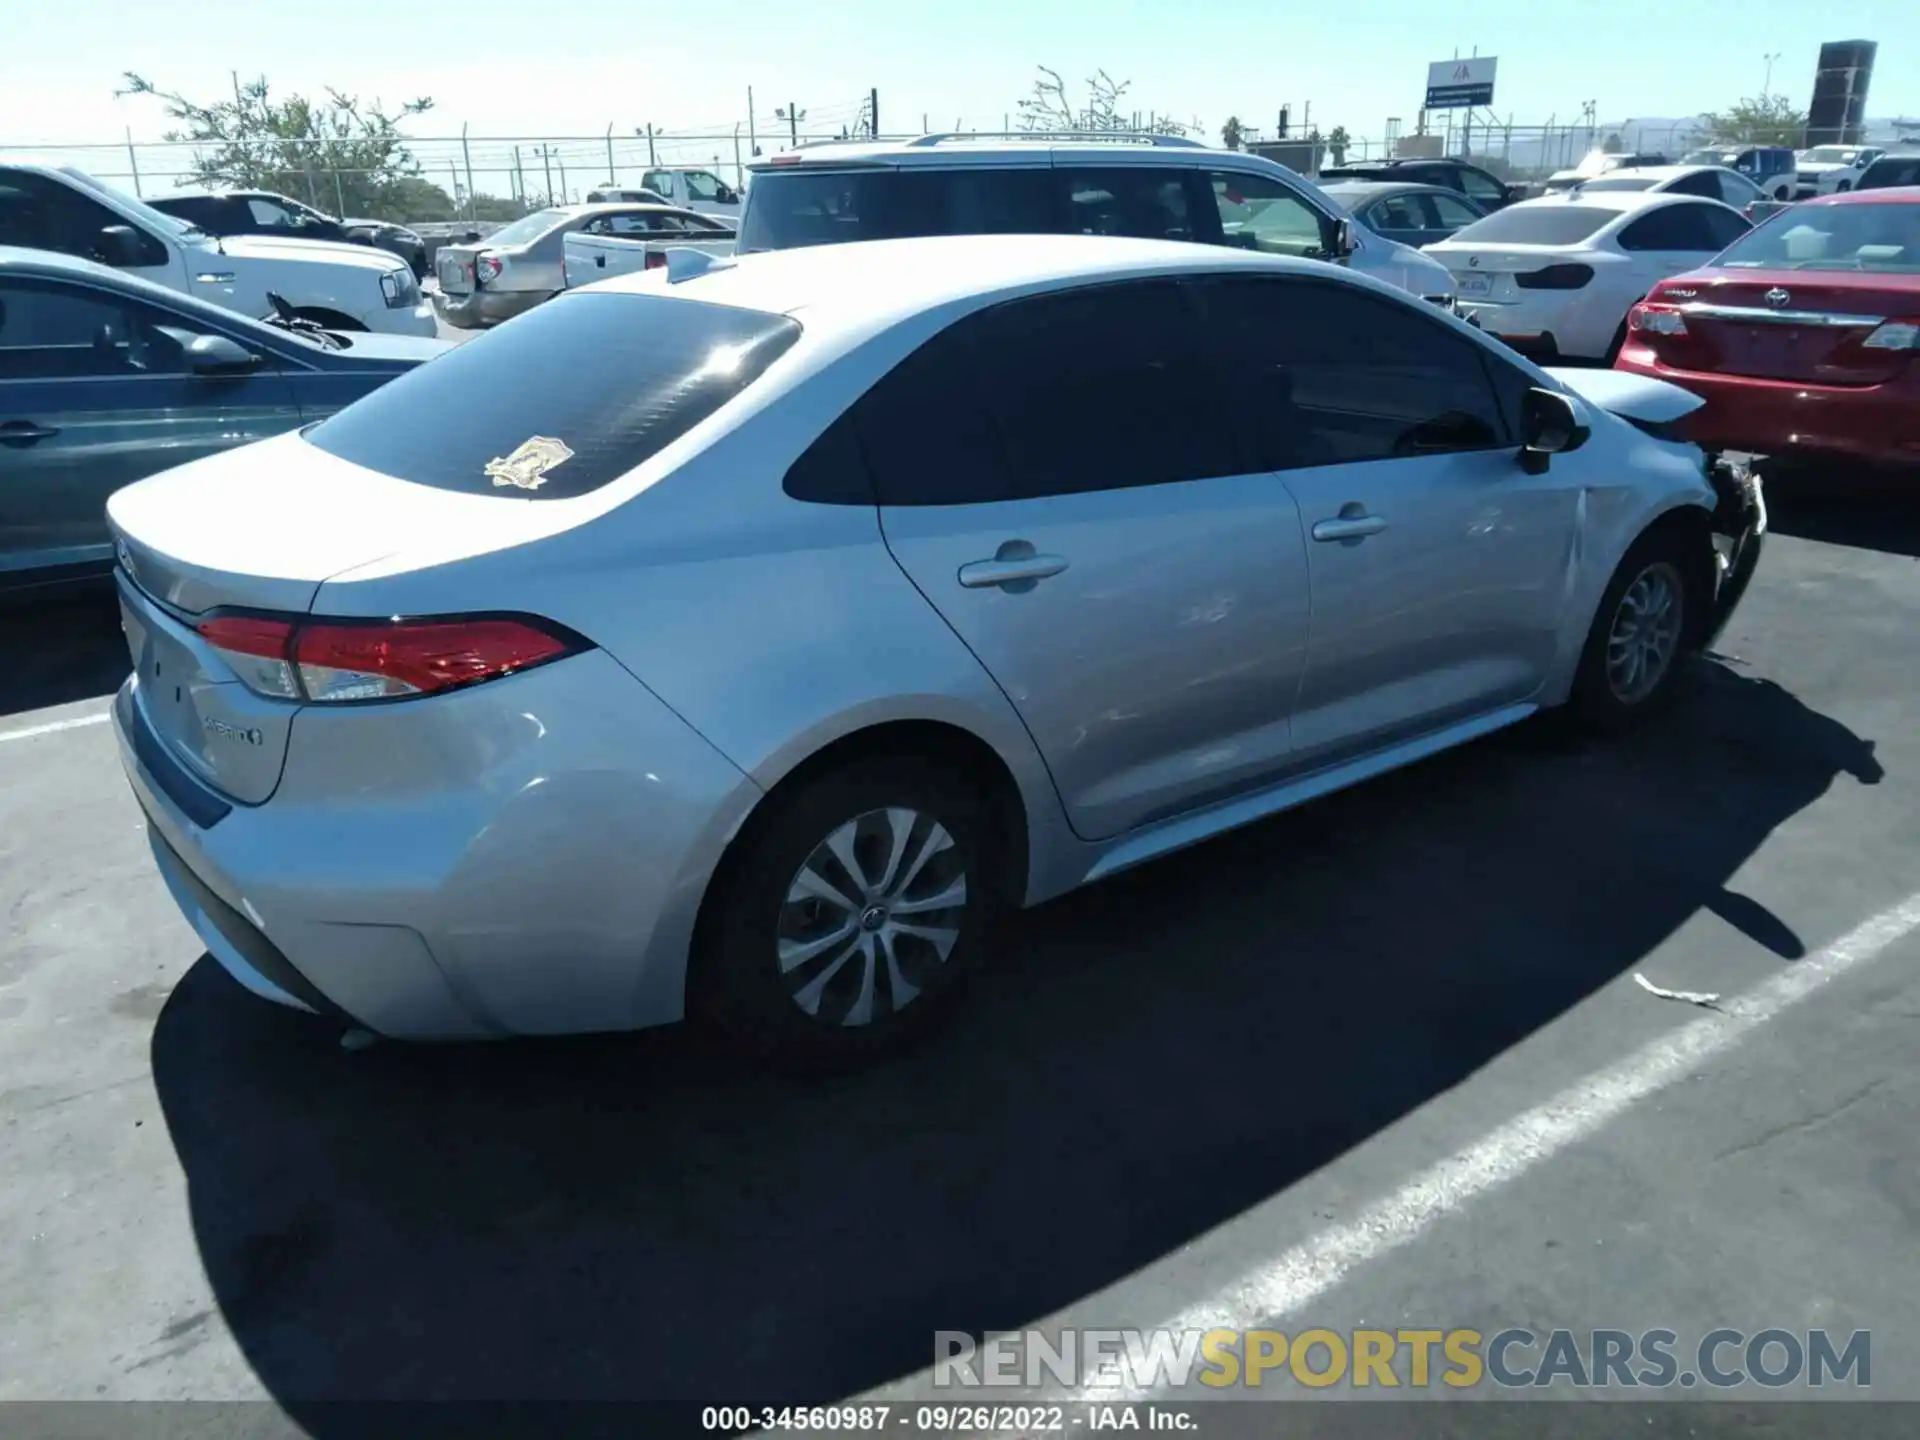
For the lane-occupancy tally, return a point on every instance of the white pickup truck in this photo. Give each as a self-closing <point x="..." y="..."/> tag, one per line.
<point x="342" y="287"/>
<point x="619" y="245"/>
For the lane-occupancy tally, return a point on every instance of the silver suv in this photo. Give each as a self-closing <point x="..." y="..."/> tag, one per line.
<point x="1148" y="187"/>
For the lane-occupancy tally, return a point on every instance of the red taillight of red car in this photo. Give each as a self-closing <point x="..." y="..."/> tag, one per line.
<point x="341" y="661"/>
<point x="1650" y="317"/>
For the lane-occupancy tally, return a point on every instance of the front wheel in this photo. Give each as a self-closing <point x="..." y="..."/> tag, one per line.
<point x="1642" y="631"/>
<point x="847" y="920"/>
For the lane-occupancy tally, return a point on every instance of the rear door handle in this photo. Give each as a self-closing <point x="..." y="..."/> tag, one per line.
<point x="24" y="432"/>
<point x="1349" y="527"/>
<point x="1016" y="568"/>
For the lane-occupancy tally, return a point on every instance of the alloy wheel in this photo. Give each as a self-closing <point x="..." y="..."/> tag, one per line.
<point x="1645" y="635"/>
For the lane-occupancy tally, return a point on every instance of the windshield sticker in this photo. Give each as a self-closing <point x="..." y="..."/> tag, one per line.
<point x="527" y="467"/>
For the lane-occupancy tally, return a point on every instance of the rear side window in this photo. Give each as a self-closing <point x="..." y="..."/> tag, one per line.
<point x="519" y="413"/>
<point x="792" y="208"/>
<point x="1538" y="224"/>
<point x="1676" y="227"/>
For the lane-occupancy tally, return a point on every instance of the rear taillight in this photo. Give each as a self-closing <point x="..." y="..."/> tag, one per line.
<point x="340" y="661"/>
<point x="656" y="260"/>
<point x="1555" y="277"/>
<point x="1895" y="335"/>
<point x="488" y="267"/>
<point x="1653" y="319"/>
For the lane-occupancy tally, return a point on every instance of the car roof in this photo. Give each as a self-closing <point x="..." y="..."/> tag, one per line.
<point x="973" y="149"/>
<point x="869" y="285"/>
<point x="1657" y="172"/>
<point x="1622" y="200"/>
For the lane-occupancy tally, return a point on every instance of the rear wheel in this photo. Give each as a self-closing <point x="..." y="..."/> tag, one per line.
<point x="1647" y="622"/>
<point x="847" y="918"/>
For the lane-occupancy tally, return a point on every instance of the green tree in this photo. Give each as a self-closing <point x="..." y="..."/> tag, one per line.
<point x="1337" y="143"/>
<point x="338" y="154"/>
<point x="1757" y="120"/>
<point x="1230" y="133"/>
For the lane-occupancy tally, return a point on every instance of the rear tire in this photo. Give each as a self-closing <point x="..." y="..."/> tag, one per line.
<point x="1647" y="624"/>
<point x="845" y="922"/>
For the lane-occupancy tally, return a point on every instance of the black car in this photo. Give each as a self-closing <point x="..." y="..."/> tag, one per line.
<point x="106" y="378"/>
<point x="1482" y="187"/>
<point x="1891" y="170"/>
<point x="262" y="212"/>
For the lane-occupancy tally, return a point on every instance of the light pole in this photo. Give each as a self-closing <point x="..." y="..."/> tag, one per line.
<point x="1766" y="85"/>
<point x="793" y="115"/>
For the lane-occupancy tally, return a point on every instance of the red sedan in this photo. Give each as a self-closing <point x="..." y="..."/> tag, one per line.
<point x="1803" y="337"/>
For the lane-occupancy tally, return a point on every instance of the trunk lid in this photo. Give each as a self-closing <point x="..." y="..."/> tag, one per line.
<point x="1486" y="272"/>
<point x="260" y="528"/>
<point x="453" y="268"/>
<point x="1786" y="324"/>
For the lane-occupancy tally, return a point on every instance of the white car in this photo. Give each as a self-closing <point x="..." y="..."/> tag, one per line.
<point x="1832" y="169"/>
<point x="700" y="191"/>
<point x="1555" y="277"/>
<point x="339" y="286"/>
<point x="1710" y="182"/>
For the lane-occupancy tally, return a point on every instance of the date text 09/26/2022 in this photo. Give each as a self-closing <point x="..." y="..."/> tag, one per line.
<point x="945" y="1419"/>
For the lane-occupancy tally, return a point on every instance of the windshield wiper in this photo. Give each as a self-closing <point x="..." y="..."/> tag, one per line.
<point x="285" y="317"/>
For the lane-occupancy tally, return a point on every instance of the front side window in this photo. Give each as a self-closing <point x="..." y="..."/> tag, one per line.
<point x="1399" y="212"/>
<point x="551" y="428"/>
<point x="702" y="186"/>
<point x="1324" y="374"/>
<point x="1483" y="188"/>
<point x="271" y="214"/>
<point x="42" y="215"/>
<point x="1149" y="203"/>
<point x="1449" y="213"/>
<point x="50" y="331"/>
<point x="1258" y="212"/>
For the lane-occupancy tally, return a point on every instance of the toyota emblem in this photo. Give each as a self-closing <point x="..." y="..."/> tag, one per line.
<point x="1777" y="298"/>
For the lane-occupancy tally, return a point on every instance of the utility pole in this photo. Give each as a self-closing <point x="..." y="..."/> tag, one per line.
<point x="793" y="115"/>
<point x="1766" y="85"/>
<point x="566" y="195"/>
<point x="753" y="134"/>
<point x="651" y="160"/>
<point x="519" y="181"/>
<point x="546" y="162"/>
<point x="467" y="156"/>
<point x="873" y="113"/>
<point x="612" y="178"/>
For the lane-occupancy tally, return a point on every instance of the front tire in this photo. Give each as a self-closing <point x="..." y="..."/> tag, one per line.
<point x="1645" y="627"/>
<point x="845" y="923"/>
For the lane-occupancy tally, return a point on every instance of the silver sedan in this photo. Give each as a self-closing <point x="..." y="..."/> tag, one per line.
<point x="483" y="282"/>
<point x="776" y="622"/>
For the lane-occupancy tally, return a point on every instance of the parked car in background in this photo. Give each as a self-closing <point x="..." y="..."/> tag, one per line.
<point x="262" y="212"/>
<point x="614" y="195"/>
<point x="1597" y="163"/>
<point x="340" y="287"/>
<point x="616" y="244"/>
<point x="853" y="594"/>
<point x="1413" y="215"/>
<point x="521" y="264"/>
<point x="1163" y="188"/>
<point x="105" y="378"/>
<point x="1555" y="277"/>
<point x="700" y="191"/>
<point x="1891" y="171"/>
<point x="1832" y="169"/>
<point x="1804" y="337"/>
<point x="1482" y="186"/>
<point x="1774" y="168"/>
<point x="1712" y="182"/>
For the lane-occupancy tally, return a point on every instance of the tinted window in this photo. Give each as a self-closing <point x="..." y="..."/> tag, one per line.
<point x="661" y="366"/>
<point x="1705" y="183"/>
<point x="925" y="431"/>
<point x="43" y="214"/>
<point x="1872" y="237"/>
<point x="1620" y="182"/>
<point x="1672" y="227"/>
<point x="1399" y="212"/>
<point x="791" y="208"/>
<point x="1736" y="190"/>
<point x="1897" y="170"/>
<point x="1723" y="228"/>
<point x="270" y="214"/>
<point x="833" y="470"/>
<point x="1538" y="224"/>
<point x="1258" y="212"/>
<point x="527" y="227"/>
<point x="1149" y="203"/>
<point x="1328" y="375"/>
<point x="203" y="211"/>
<point x="61" y="332"/>
<point x="1483" y="188"/>
<point x="1449" y="213"/>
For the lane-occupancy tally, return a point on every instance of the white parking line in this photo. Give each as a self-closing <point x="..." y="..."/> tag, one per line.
<point x="53" y="727"/>
<point x="1288" y="1282"/>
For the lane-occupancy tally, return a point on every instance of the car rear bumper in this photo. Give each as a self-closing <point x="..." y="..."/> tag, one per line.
<point x="485" y="307"/>
<point x="1791" y="417"/>
<point x="456" y="868"/>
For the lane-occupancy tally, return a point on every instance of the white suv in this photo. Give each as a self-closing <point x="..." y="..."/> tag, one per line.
<point x="1151" y="187"/>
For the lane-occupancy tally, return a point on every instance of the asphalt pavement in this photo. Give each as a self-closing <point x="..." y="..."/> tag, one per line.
<point x="1238" y="1083"/>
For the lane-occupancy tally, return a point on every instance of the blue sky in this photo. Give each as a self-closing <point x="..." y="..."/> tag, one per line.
<point x="519" y="67"/>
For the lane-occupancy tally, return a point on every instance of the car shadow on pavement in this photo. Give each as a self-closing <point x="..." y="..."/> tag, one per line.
<point x="643" y="1217"/>
<point x="1860" y="509"/>
<point x="60" y="646"/>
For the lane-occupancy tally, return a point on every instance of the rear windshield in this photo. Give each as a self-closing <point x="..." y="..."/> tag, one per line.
<point x="1871" y="237"/>
<point x="1885" y="174"/>
<point x="1544" y="224"/>
<point x="787" y="209"/>
<point x="566" y="398"/>
<point x="1625" y="182"/>
<point x="527" y="227"/>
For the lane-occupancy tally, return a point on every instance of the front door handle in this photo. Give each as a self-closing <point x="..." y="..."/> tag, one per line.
<point x="1015" y="567"/>
<point x="25" y="432"/>
<point x="1349" y="527"/>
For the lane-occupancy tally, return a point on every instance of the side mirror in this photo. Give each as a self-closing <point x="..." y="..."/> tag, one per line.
<point x="1549" y="426"/>
<point x="119" y="246"/>
<point x="217" y="355"/>
<point x="1344" y="243"/>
